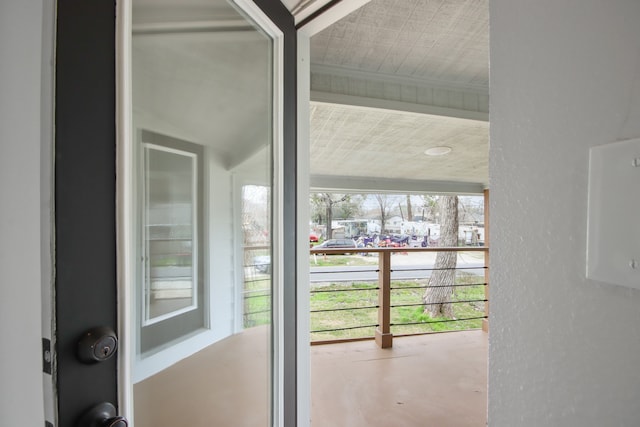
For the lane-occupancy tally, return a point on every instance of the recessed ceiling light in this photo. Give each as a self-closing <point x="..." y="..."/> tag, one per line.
<point x="437" y="151"/>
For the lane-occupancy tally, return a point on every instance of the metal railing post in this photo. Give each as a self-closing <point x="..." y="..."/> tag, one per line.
<point x="384" y="337"/>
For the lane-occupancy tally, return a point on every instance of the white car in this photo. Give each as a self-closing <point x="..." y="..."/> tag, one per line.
<point x="262" y="264"/>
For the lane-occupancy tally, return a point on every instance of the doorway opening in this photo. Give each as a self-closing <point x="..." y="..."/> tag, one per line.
<point x="398" y="104"/>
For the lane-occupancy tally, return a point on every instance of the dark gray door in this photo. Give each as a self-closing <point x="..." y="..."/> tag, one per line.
<point x="85" y="202"/>
<point x="85" y="245"/>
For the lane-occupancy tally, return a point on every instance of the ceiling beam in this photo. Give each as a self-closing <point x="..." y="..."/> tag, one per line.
<point x="385" y="104"/>
<point x="337" y="85"/>
<point x="352" y="73"/>
<point x="221" y="25"/>
<point x="353" y="184"/>
<point x="310" y="18"/>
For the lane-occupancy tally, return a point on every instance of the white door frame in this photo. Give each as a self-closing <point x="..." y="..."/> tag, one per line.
<point x="314" y="26"/>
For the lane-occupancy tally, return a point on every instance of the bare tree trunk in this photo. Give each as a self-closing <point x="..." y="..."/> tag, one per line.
<point x="409" y="208"/>
<point x="383" y="202"/>
<point x="440" y="289"/>
<point x="329" y="215"/>
<point x="329" y="202"/>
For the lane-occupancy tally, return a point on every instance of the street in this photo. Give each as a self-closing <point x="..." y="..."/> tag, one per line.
<point x="404" y="267"/>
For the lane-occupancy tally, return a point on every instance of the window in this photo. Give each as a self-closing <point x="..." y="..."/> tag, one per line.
<point x="171" y="276"/>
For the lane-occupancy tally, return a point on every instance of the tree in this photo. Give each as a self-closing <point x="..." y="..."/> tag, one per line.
<point x="385" y="205"/>
<point x="470" y="210"/>
<point x="409" y="210"/>
<point x="325" y="202"/>
<point x="429" y="205"/>
<point x="351" y="207"/>
<point x="318" y="210"/>
<point x="440" y="289"/>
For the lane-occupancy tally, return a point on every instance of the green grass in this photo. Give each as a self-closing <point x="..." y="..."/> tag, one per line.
<point x="320" y="260"/>
<point x="350" y="296"/>
<point x="256" y="293"/>
<point x="351" y="302"/>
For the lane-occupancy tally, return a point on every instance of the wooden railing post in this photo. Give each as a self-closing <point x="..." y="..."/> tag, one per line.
<point x="485" y="322"/>
<point x="384" y="338"/>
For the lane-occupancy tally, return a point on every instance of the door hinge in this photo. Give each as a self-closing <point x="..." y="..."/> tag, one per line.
<point x="46" y="356"/>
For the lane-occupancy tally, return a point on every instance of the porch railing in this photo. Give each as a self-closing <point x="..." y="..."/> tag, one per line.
<point x="378" y="296"/>
<point x="256" y="294"/>
<point x="383" y="297"/>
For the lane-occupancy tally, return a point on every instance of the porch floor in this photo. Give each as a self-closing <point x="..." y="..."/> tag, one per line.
<point x="428" y="380"/>
<point x="437" y="380"/>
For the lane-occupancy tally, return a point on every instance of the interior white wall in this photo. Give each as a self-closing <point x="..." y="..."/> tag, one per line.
<point x="221" y="244"/>
<point x="565" y="76"/>
<point x="21" y="32"/>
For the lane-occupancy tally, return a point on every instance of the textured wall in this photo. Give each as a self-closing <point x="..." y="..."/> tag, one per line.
<point x="565" y="76"/>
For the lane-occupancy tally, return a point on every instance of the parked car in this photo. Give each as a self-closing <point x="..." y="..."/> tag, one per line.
<point x="336" y="243"/>
<point x="313" y="237"/>
<point x="262" y="264"/>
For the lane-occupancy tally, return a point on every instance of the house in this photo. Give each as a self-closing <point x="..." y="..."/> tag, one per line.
<point x="564" y="78"/>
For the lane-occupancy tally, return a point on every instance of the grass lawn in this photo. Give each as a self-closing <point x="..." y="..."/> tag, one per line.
<point x="348" y="310"/>
<point x="318" y="260"/>
<point x="257" y="304"/>
<point x="355" y="306"/>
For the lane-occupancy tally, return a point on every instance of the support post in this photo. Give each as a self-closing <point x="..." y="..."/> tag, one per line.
<point x="384" y="338"/>
<point x="485" y="322"/>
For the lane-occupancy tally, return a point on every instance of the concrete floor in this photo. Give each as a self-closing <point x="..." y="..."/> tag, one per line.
<point x="437" y="380"/>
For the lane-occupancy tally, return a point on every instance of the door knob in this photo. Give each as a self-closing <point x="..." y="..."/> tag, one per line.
<point x="102" y="415"/>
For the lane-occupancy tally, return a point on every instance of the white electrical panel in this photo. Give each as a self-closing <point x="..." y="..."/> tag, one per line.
<point x="613" y="232"/>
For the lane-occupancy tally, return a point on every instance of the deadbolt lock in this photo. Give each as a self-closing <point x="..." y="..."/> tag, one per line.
<point x="97" y="345"/>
